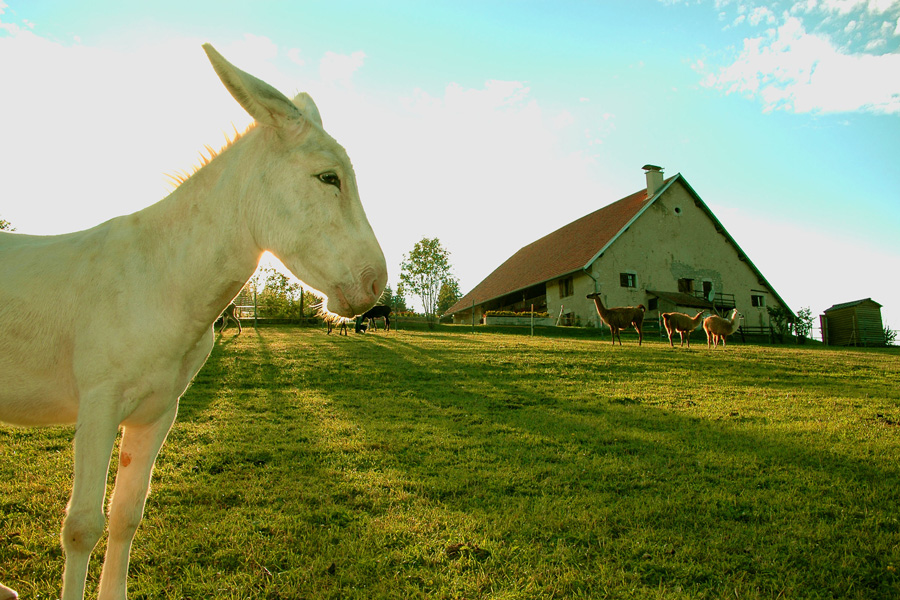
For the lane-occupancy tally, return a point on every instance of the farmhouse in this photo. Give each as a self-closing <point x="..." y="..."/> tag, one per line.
<point x="661" y="247"/>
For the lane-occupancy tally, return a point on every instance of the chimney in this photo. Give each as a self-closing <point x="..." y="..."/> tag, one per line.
<point x="654" y="179"/>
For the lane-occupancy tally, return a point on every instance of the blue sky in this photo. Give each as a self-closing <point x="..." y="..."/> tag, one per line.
<point x="489" y="124"/>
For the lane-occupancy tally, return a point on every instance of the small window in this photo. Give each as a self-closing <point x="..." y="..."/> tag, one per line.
<point x="566" y="287"/>
<point x="628" y="280"/>
<point x="757" y="300"/>
<point x="686" y="286"/>
<point x="653" y="304"/>
<point x="707" y="288"/>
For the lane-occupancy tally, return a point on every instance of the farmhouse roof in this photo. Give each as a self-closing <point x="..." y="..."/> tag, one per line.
<point x="574" y="247"/>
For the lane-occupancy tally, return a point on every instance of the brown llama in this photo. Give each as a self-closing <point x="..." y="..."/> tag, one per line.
<point x="683" y="324"/>
<point x="718" y="328"/>
<point x="620" y="318"/>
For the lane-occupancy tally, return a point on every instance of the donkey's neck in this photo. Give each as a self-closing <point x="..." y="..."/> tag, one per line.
<point x="203" y="246"/>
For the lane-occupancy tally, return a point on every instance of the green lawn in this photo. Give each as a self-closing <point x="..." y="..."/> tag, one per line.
<point x="448" y="464"/>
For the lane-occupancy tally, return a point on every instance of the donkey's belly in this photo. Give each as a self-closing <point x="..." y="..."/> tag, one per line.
<point x="39" y="406"/>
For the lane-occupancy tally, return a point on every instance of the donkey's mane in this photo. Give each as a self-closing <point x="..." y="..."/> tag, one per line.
<point x="179" y="177"/>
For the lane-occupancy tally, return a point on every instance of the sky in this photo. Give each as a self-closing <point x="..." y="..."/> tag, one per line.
<point x="488" y="124"/>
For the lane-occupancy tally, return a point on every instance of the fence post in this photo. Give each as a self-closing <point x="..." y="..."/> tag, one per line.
<point x="532" y="320"/>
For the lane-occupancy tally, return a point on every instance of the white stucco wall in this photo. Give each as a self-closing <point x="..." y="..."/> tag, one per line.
<point x="671" y="240"/>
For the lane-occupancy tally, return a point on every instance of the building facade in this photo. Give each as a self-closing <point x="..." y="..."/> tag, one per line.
<point x="661" y="247"/>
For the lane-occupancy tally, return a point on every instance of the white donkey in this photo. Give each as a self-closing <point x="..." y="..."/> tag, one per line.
<point x="90" y="335"/>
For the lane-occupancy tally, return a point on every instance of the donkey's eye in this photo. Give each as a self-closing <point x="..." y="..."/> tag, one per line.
<point x="330" y="178"/>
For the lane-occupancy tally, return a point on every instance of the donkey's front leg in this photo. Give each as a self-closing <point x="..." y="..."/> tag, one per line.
<point x="95" y="435"/>
<point x="137" y="454"/>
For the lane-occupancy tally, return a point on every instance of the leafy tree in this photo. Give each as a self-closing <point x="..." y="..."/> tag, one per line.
<point x="6" y="225"/>
<point x="281" y="298"/>
<point x="424" y="270"/>
<point x="781" y="319"/>
<point x="396" y="301"/>
<point x="804" y="323"/>
<point x="448" y="295"/>
<point x="890" y="336"/>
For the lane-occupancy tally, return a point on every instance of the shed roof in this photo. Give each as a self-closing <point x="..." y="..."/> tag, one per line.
<point x="852" y="304"/>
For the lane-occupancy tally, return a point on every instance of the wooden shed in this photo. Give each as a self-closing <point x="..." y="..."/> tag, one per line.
<point x="855" y="323"/>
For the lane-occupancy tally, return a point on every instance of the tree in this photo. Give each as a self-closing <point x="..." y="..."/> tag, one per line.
<point x="448" y="295"/>
<point x="804" y="323"/>
<point x="424" y="270"/>
<point x="782" y="320"/>
<point x="6" y="225"/>
<point x="396" y="301"/>
<point x="279" y="297"/>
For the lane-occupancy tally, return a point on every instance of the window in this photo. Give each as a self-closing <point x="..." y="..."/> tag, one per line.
<point x="628" y="280"/>
<point x="757" y="300"/>
<point x="653" y="304"/>
<point x="686" y="286"/>
<point x="566" y="287"/>
<point x="707" y="288"/>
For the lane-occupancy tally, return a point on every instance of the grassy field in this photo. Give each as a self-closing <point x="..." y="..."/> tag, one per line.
<point x="447" y="464"/>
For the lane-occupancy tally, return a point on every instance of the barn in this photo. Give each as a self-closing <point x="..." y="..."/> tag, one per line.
<point x="856" y="323"/>
<point x="661" y="247"/>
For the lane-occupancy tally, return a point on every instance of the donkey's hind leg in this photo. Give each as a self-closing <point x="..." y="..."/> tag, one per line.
<point x="137" y="454"/>
<point x="7" y="594"/>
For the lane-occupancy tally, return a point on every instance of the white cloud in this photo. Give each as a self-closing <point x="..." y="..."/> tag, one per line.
<point x="339" y="68"/>
<point x="792" y="69"/>
<point x="761" y="14"/>
<point x="295" y="57"/>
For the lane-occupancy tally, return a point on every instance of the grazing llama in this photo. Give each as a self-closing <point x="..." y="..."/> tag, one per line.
<point x="683" y="324"/>
<point x="718" y="328"/>
<point x="231" y="314"/>
<point x="620" y="318"/>
<point x="89" y="333"/>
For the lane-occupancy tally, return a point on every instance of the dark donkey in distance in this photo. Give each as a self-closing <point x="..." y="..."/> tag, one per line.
<point x="376" y="312"/>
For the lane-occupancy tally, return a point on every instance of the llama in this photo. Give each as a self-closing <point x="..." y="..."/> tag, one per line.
<point x="231" y="314"/>
<point x="377" y="312"/>
<point x="718" y="328"/>
<point x="683" y="324"/>
<point x="621" y="318"/>
<point x="105" y="328"/>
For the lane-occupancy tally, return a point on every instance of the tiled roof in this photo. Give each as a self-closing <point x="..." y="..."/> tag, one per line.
<point x="568" y="249"/>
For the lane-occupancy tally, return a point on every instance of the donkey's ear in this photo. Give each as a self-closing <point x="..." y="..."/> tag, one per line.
<point x="305" y="103"/>
<point x="264" y="103"/>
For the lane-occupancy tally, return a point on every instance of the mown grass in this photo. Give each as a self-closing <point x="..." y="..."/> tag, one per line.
<point x="455" y="465"/>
